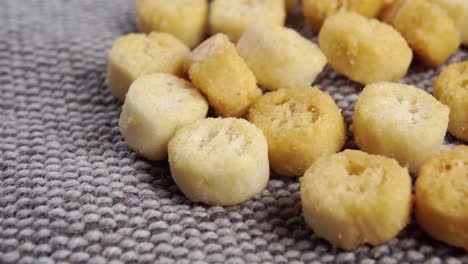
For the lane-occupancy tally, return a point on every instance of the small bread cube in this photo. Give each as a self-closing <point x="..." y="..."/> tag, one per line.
<point x="442" y="195"/>
<point x="232" y="17"/>
<point x="301" y="125"/>
<point x="352" y="198"/>
<point x="316" y="11"/>
<point x="185" y="19"/>
<point x="399" y="121"/>
<point x="428" y="29"/>
<point x="135" y="55"/>
<point x="365" y="50"/>
<point x="280" y="57"/>
<point x="451" y="88"/>
<point x="219" y="161"/>
<point x="458" y="11"/>
<point x="222" y="75"/>
<point x="156" y="106"/>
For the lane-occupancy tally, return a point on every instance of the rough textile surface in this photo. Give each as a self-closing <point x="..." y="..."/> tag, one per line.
<point x="72" y="192"/>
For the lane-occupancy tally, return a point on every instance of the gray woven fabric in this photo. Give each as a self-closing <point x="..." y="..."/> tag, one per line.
<point x="72" y="192"/>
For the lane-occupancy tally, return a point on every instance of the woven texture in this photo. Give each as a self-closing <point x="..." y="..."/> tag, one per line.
<point x="71" y="191"/>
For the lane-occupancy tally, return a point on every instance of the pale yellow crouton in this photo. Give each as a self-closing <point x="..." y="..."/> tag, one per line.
<point x="280" y="57"/>
<point x="156" y="106"/>
<point x="365" y="50"/>
<point x="442" y="197"/>
<point x="232" y="17"/>
<point x="458" y="11"/>
<point x="219" y="161"/>
<point x="352" y="198"/>
<point x="451" y="88"/>
<point x="222" y="75"/>
<point x="316" y="11"/>
<point x="428" y="29"/>
<point x="301" y="125"/>
<point x="185" y="19"/>
<point x="399" y="121"/>
<point x="135" y="55"/>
